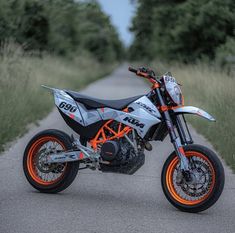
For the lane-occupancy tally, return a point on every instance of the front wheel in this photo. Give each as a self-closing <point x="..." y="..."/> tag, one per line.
<point x="204" y="185"/>
<point x="48" y="178"/>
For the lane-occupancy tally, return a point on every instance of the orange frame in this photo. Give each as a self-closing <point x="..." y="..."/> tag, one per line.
<point x="101" y="136"/>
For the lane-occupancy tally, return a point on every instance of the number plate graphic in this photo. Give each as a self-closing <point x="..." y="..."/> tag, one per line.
<point x="68" y="107"/>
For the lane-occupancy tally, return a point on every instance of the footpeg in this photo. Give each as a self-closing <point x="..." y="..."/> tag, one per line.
<point x="148" y="146"/>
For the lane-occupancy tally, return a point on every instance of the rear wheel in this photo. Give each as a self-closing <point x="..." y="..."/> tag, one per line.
<point x="48" y="178"/>
<point x="204" y="184"/>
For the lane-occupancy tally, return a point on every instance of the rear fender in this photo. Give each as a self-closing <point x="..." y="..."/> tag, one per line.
<point x="66" y="104"/>
<point x="195" y="111"/>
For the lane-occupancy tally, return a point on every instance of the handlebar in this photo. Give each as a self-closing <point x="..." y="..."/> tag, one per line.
<point x="146" y="73"/>
<point x="143" y="72"/>
<point x="132" y="70"/>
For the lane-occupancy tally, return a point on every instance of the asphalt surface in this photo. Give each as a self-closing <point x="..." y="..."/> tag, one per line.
<point x="98" y="202"/>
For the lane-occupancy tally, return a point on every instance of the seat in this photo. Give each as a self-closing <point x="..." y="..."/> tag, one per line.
<point x="93" y="103"/>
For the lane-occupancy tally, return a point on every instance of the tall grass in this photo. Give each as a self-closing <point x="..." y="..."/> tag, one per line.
<point x="22" y="100"/>
<point x="214" y="91"/>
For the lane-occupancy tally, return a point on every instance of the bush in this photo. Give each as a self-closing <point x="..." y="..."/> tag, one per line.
<point x="225" y="56"/>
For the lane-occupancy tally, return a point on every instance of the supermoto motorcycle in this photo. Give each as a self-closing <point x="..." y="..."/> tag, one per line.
<point x="113" y="137"/>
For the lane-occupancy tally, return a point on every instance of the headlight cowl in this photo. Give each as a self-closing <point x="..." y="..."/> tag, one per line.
<point x="173" y="89"/>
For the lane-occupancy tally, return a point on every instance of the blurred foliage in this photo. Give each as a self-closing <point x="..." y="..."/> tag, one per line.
<point x="225" y="56"/>
<point x="63" y="27"/>
<point x="183" y="30"/>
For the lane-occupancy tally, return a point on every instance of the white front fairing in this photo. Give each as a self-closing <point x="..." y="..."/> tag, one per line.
<point x="147" y="105"/>
<point x="143" y="115"/>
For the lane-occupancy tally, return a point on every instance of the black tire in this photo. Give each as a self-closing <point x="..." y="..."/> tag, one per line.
<point x="215" y="191"/>
<point x="70" y="171"/>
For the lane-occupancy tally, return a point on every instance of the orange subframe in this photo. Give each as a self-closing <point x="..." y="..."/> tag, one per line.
<point x="101" y="137"/>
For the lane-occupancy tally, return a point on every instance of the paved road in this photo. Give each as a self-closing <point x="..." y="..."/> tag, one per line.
<point x="100" y="203"/>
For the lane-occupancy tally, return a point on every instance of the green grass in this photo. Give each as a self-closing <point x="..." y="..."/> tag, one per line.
<point x="214" y="91"/>
<point x="22" y="100"/>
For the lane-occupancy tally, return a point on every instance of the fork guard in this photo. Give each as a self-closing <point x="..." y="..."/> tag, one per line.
<point x="195" y="111"/>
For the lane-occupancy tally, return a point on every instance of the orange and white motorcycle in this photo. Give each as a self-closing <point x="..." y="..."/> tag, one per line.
<point x="113" y="136"/>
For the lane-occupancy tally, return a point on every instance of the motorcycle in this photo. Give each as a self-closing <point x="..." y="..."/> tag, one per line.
<point x="113" y="137"/>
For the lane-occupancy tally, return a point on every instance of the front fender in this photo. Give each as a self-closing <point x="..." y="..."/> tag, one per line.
<point x="195" y="111"/>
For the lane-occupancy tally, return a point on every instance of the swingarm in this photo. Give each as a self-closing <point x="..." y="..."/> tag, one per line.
<point x="80" y="153"/>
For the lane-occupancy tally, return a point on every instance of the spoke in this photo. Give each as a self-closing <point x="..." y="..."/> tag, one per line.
<point x="47" y="172"/>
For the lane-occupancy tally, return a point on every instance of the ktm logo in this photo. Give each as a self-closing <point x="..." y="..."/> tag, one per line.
<point x="134" y="122"/>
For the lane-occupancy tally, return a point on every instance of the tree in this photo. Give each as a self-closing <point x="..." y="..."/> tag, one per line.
<point x="64" y="27"/>
<point x="100" y="37"/>
<point x="184" y="30"/>
<point x="142" y="28"/>
<point x="33" y="27"/>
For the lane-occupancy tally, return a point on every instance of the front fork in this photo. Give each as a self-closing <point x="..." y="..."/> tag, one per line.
<point x="184" y="163"/>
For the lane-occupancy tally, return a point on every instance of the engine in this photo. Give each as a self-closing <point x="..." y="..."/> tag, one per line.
<point x="110" y="151"/>
<point x="119" y="156"/>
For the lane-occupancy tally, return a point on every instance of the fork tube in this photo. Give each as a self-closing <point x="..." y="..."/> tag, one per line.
<point x="173" y="136"/>
<point x="180" y="130"/>
<point x="189" y="134"/>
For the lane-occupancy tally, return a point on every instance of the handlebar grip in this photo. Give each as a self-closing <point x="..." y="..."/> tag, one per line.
<point x="132" y="70"/>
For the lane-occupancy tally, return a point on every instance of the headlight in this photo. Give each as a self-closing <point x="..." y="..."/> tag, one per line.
<point x="173" y="89"/>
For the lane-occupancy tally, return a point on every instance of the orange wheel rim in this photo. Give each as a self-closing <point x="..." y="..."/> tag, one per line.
<point x="31" y="164"/>
<point x="171" y="185"/>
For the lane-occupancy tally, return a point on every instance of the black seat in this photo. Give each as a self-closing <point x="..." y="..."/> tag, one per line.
<point x="92" y="103"/>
